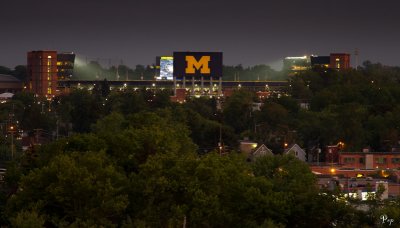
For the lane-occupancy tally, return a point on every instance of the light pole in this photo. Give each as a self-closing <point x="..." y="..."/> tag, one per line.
<point x="318" y="152"/>
<point x="12" y="130"/>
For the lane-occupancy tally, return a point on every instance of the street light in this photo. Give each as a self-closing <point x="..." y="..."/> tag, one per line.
<point x="333" y="170"/>
<point x="12" y="130"/>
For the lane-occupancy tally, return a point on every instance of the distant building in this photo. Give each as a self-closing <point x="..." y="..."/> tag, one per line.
<point x="46" y="68"/>
<point x="65" y="65"/>
<point x="42" y="73"/>
<point x="370" y="160"/>
<point x="10" y="84"/>
<point x="296" y="64"/>
<point x="296" y="151"/>
<point x="335" y="61"/>
<point x="340" y="61"/>
<point x="320" y="62"/>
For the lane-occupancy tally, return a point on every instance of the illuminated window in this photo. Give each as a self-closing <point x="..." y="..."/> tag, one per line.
<point x="49" y="57"/>
<point x="337" y="59"/>
<point x="48" y="90"/>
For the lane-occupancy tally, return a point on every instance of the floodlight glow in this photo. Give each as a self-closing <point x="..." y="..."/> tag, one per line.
<point x="301" y="57"/>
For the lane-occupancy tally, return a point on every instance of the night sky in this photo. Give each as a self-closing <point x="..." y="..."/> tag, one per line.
<point x="249" y="32"/>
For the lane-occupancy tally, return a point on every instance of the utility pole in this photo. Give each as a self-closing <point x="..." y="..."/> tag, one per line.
<point x="219" y="113"/>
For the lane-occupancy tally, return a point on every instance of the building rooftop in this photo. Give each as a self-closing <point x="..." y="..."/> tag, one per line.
<point x="8" y="78"/>
<point x="320" y="60"/>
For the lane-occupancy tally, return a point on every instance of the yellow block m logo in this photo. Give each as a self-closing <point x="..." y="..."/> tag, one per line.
<point x="193" y="64"/>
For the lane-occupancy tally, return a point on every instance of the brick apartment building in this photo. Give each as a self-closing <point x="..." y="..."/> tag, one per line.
<point x="370" y="160"/>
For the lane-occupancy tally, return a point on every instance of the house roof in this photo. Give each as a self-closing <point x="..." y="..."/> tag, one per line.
<point x="6" y="95"/>
<point x="261" y="151"/>
<point x="293" y="146"/>
<point x="320" y="60"/>
<point x="8" y="78"/>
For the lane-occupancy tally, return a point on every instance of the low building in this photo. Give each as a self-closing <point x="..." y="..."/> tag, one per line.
<point x="10" y="84"/>
<point x="335" y="61"/>
<point x="370" y="160"/>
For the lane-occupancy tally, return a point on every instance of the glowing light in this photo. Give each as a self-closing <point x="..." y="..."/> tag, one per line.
<point x="384" y="173"/>
<point x="301" y="57"/>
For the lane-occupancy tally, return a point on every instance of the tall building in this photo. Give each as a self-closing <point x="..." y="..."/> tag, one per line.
<point x="42" y="73"/>
<point x="46" y="68"/>
<point x="65" y="65"/>
<point x="340" y="61"/>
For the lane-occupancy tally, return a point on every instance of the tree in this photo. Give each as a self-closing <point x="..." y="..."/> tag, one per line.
<point x="20" y="72"/>
<point x="76" y="188"/>
<point x="237" y="111"/>
<point x="210" y="191"/>
<point x="305" y="206"/>
<point x="85" y="110"/>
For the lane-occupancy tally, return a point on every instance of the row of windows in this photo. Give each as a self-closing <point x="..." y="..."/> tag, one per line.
<point x="380" y="160"/>
<point x="65" y="63"/>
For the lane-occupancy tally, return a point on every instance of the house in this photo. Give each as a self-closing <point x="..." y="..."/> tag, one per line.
<point x="261" y="151"/>
<point x="296" y="151"/>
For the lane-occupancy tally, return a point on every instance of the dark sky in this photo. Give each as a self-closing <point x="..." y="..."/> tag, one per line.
<point x="248" y="32"/>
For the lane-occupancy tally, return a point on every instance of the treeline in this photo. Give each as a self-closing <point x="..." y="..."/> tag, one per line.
<point x="142" y="170"/>
<point x="132" y="158"/>
<point x="359" y="107"/>
<point x="19" y="72"/>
